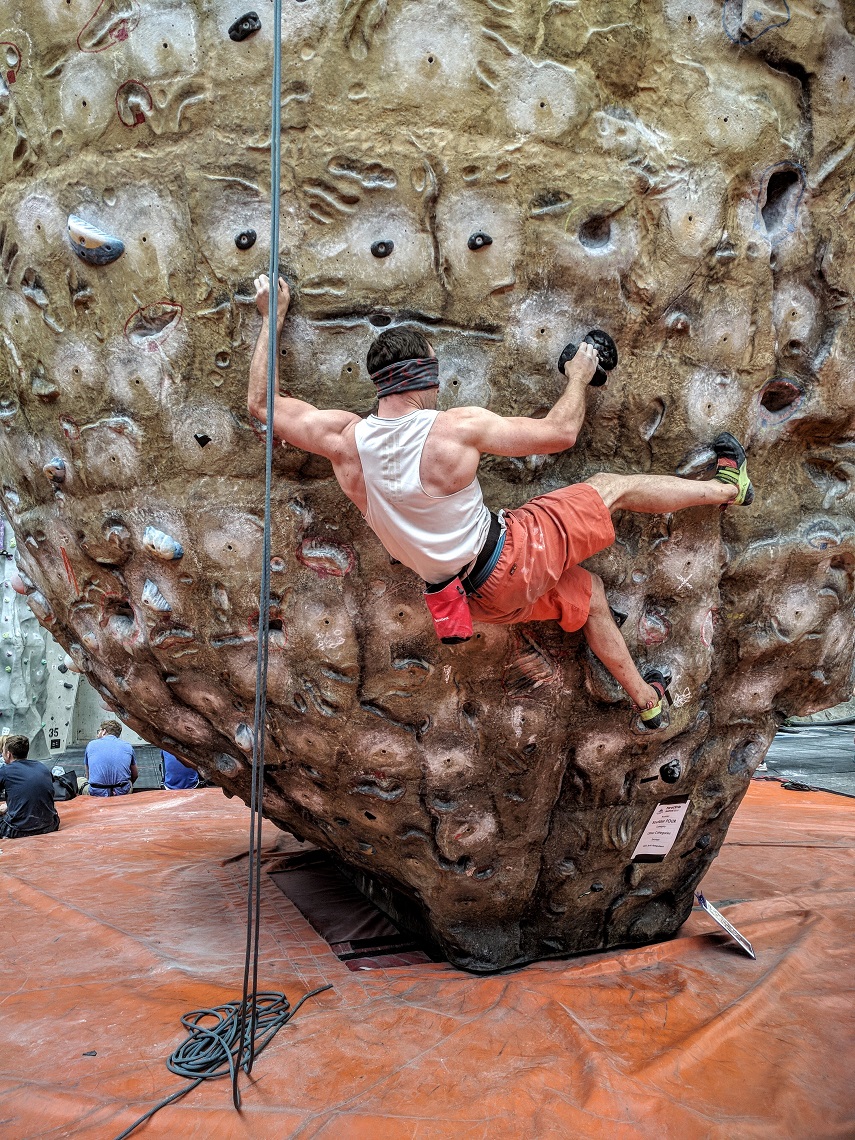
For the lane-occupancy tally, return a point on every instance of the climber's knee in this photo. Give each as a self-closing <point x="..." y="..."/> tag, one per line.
<point x="599" y="605"/>
<point x="610" y="487"/>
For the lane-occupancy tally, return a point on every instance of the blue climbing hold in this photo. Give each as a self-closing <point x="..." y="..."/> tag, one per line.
<point x="162" y="545"/>
<point x="91" y="244"/>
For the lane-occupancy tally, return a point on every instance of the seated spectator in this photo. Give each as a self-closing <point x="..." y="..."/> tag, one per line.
<point x="111" y="766"/>
<point x="29" y="792"/>
<point x="177" y="776"/>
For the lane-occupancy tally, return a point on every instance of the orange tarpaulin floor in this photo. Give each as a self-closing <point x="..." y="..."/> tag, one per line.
<point x="132" y="914"/>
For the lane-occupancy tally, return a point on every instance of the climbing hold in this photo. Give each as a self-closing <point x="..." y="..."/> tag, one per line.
<point x="382" y="248"/>
<point x="54" y="469"/>
<point x="243" y="737"/>
<point x="91" y="244"/>
<point x="479" y="240"/>
<point x="162" y="545"/>
<point x="153" y="599"/>
<point x="246" y="239"/>
<point x="18" y="585"/>
<point x="244" y="26"/>
<point x="671" y="772"/>
<point x="606" y="350"/>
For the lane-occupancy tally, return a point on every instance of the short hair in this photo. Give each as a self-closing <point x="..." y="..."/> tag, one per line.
<point x="17" y="746"/>
<point x="110" y="726"/>
<point x="403" y="342"/>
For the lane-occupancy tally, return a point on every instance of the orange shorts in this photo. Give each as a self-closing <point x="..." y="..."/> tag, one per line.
<point x="538" y="576"/>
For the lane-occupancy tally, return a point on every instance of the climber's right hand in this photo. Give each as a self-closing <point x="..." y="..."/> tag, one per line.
<point x="584" y="364"/>
<point x="262" y="298"/>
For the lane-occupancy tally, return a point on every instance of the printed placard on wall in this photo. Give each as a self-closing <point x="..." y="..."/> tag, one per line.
<point x="662" y="830"/>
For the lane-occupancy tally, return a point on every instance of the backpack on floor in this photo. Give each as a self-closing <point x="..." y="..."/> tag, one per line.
<point x="64" y="782"/>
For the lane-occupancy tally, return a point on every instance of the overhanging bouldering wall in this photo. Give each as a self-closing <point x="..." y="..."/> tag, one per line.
<point x="679" y="173"/>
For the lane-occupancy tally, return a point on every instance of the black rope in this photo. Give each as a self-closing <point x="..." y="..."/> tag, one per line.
<point x="226" y="1039"/>
<point x="248" y="1005"/>
<point x="216" y="1049"/>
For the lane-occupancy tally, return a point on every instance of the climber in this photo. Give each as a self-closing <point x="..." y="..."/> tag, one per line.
<point x="412" y="472"/>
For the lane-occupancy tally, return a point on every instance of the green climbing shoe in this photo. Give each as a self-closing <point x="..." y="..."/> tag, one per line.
<point x="733" y="467"/>
<point x="660" y="680"/>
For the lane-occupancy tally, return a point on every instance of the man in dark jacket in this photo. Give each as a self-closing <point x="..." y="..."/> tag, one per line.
<point x="29" y="792"/>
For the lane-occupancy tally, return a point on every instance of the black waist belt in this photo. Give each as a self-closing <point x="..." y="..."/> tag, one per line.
<point x="481" y="567"/>
<point x="108" y="787"/>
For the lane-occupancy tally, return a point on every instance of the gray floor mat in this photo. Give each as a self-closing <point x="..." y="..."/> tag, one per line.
<point x="821" y="756"/>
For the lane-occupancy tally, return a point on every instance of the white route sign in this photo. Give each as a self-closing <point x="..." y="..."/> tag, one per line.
<point x="718" y="917"/>
<point x="662" y="829"/>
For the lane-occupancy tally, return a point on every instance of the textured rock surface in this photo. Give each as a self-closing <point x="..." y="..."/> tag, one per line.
<point x="678" y="173"/>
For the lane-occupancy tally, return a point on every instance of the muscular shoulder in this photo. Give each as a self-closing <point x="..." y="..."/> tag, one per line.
<point x="464" y="424"/>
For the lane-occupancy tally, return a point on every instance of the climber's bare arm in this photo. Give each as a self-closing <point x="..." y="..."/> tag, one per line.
<point x="294" y="421"/>
<point x="491" y="434"/>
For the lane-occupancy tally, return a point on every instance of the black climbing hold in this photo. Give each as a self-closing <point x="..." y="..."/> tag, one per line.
<point x="671" y="771"/>
<point x="606" y="350"/>
<point x="91" y="1053"/>
<point x="382" y="248"/>
<point x="479" y="240"/>
<point x="246" y="239"/>
<point x="701" y="844"/>
<point x="244" y="26"/>
<point x="202" y="439"/>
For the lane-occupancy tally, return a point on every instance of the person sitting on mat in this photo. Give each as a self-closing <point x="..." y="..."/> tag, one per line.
<point x="111" y="765"/>
<point x="177" y="776"/>
<point x="411" y="470"/>
<point x="29" y="792"/>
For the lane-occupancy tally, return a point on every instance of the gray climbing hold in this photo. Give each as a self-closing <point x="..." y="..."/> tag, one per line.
<point x="162" y="545"/>
<point x="382" y="248"/>
<point x="41" y="607"/>
<point x="91" y="244"/>
<point x="153" y="599"/>
<point x="245" y="26"/>
<point x="479" y="240"/>
<point x="243" y="737"/>
<point x="246" y="239"/>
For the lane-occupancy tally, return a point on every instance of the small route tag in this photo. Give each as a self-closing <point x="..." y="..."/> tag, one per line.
<point x="718" y="917"/>
<point x="661" y="831"/>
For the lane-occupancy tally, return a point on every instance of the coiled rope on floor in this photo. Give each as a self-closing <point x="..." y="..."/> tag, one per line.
<point x="217" y="1049"/>
<point x="226" y="1039"/>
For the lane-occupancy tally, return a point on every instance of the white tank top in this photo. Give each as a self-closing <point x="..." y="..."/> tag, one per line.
<point x="435" y="535"/>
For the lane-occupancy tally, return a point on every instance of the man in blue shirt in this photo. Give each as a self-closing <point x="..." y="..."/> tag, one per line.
<point x="111" y="766"/>
<point x="29" y="792"/>
<point x="177" y="776"/>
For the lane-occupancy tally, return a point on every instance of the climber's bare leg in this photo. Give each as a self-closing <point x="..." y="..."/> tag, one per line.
<point x="660" y="494"/>
<point x="608" y="645"/>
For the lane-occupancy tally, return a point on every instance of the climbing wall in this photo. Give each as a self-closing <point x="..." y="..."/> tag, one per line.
<point x="24" y="660"/>
<point x="507" y="174"/>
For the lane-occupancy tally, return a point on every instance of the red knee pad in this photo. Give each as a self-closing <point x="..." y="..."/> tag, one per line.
<point x="449" y="608"/>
